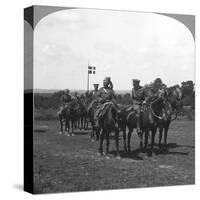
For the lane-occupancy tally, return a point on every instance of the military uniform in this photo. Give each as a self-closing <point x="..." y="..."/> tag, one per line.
<point x="105" y="94"/>
<point x="137" y="97"/>
<point x="155" y="89"/>
<point x="95" y="91"/>
<point x="65" y="100"/>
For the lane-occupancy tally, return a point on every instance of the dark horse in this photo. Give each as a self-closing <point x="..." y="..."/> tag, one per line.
<point x="167" y="118"/>
<point x="128" y="119"/>
<point x="108" y="123"/>
<point x="82" y="122"/>
<point x="152" y="117"/>
<point x="75" y="113"/>
<point x="64" y="118"/>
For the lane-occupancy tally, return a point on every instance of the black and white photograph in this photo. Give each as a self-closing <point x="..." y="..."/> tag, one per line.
<point x="113" y="98"/>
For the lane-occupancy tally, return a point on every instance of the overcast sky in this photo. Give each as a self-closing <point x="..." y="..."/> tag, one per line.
<point x="122" y="45"/>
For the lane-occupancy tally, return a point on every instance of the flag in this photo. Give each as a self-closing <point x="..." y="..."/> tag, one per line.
<point x="91" y="70"/>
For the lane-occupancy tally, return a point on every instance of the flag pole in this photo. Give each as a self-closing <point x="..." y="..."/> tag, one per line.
<point x="88" y="77"/>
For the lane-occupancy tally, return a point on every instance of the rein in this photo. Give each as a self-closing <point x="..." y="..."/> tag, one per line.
<point x="153" y="113"/>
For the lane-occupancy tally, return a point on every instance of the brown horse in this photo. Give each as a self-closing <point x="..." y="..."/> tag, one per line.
<point x="109" y="123"/>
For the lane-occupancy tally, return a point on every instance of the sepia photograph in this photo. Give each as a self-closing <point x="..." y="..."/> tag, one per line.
<point x="113" y="99"/>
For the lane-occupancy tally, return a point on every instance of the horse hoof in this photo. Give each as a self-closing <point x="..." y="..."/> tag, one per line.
<point x="107" y="157"/>
<point x="118" y="157"/>
<point x="99" y="154"/>
<point x="60" y="133"/>
<point x="68" y="134"/>
<point x="73" y="134"/>
<point x="92" y="140"/>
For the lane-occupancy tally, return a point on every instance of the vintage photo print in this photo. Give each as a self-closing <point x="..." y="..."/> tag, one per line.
<point x="112" y="97"/>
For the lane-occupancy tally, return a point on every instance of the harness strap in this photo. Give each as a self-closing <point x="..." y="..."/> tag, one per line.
<point x="154" y="114"/>
<point x="105" y="91"/>
<point x="129" y="115"/>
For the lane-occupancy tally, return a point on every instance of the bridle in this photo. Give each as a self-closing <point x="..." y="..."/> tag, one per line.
<point x="151" y="109"/>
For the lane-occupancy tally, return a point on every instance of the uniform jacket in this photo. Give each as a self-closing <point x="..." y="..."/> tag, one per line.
<point x="65" y="98"/>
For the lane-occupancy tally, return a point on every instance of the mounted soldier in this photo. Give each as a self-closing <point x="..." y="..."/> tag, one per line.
<point x="137" y="97"/>
<point x="65" y="98"/>
<point x="105" y="95"/>
<point x="155" y="89"/>
<point x="95" y="91"/>
<point x="64" y="111"/>
<point x="110" y="84"/>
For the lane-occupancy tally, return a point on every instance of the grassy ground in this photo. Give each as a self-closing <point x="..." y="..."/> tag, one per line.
<point x="67" y="164"/>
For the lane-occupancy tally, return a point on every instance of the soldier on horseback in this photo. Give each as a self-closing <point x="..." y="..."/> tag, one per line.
<point x="65" y="99"/>
<point x="138" y="97"/>
<point x="63" y="113"/>
<point x="105" y="95"/>
<point x="95" y="91"/>
<point x="156" y="89"/>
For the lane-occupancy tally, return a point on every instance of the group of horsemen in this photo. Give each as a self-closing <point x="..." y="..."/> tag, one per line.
<point x="106" y="94"/>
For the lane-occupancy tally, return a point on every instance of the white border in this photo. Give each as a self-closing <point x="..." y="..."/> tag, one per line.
<point x="11" y="100"/>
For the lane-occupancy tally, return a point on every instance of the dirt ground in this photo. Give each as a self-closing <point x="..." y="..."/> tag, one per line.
<point x="69" y="164"/>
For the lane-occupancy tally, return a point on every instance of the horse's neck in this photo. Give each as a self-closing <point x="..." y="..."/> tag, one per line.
<point x="111" y="112"/>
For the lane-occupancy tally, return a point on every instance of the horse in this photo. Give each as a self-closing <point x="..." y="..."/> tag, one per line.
<point x="151" y="118"/>
<point x="165" y="123"/>
<point x="75" y="113"/>
<point x="83" y="124"/>
<point x="174" y="95"/>
<point x="108" y="123"/>
<point x="128" y="119"/>
<point x="64" y="118"/>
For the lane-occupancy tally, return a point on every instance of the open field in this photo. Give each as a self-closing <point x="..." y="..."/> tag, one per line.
<point x="67" y="164"/>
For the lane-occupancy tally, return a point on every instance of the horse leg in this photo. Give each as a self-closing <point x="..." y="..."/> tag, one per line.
<point x="68" y="127"/>
<point x="117" y="143"/>
<point x="165" y="136"/>
<point x="141" y="139"/>
<point x="72" y="126"/>
<point x="101" y="143"/>
<point x="153" y="133"/>
<point x="107" y="142"/>
<point x="97" y="132"/>
<point x="85" y="122"/>
<point x="92" y="134"/>
<point x="146" y="138"/>
<point x="61" y="124"/>
<point x="129" y="139"/>
<point x="160" y="136"/>
<point x="124" y="136"/>
<point x="65" y="132"/>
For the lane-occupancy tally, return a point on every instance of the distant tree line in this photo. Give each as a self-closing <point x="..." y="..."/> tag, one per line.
<point x="47" y="105"/>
